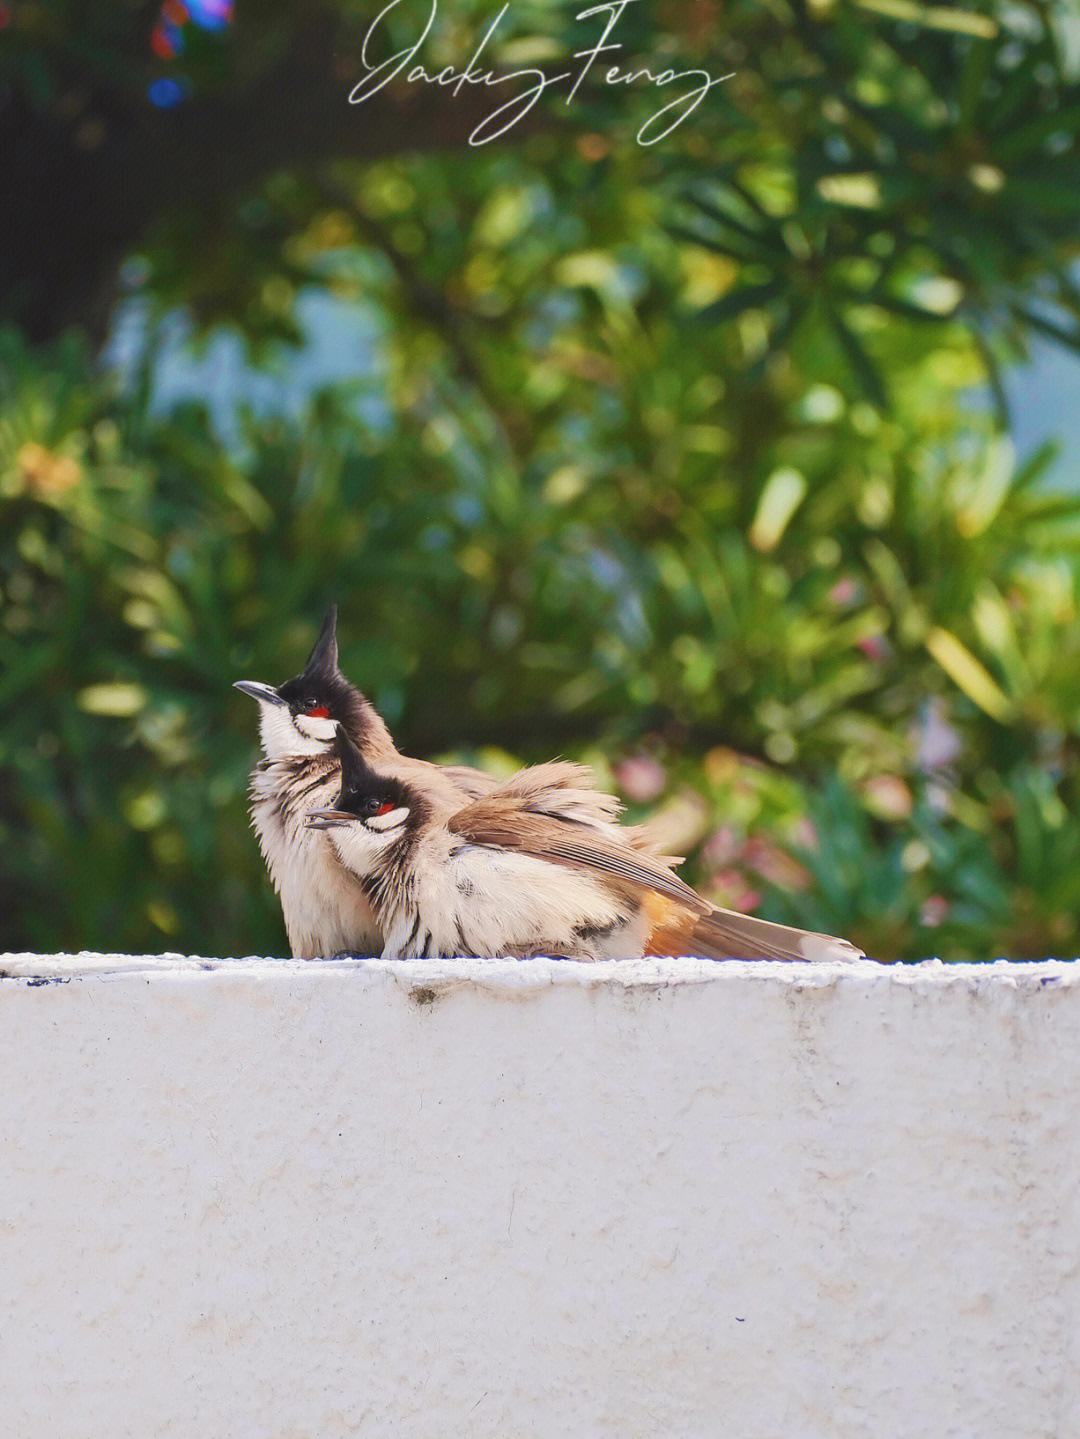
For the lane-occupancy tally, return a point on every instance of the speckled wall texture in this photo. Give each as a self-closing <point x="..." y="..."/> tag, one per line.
<point x="265" y="1200"/>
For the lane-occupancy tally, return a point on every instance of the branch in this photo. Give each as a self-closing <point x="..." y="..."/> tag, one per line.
<point x="82" y="193"/>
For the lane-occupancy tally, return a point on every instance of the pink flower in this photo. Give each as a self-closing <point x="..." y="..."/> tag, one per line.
<point x="774" y="864"/>
<point x="720" y="848"/>
<point x="729" y="889"/>
<point x="804" y="834"/>
<point x="935" y="910"/>
<point x="640" y="778"/>
<point x="937" y="743"/>
<point x="874" y="647"/>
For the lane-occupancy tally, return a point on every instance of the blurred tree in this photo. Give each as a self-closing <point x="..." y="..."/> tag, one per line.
<point x="924" y="160"/>
<point x="100" y="150"/>
<point x="673" y="457"/>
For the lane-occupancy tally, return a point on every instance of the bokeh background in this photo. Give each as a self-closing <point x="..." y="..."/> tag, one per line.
<point x="716" y="463"/>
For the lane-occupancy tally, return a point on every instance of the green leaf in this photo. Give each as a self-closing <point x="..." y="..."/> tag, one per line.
<point x="863" y="367"/>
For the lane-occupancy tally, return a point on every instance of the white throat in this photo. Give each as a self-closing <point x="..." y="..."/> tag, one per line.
<point x="284" y="735"/>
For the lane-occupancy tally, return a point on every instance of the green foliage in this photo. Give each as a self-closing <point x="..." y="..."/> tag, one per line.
<point x="671" y="459"/>
<point x="519" y="612"/>
<point x="936" y="177"/>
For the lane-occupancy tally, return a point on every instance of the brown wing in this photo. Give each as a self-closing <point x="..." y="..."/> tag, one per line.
<point x="561" y="790"/>
<point x="568" y="791"/>
<point x="541" y="812"/>
<point x="535" y="813"/>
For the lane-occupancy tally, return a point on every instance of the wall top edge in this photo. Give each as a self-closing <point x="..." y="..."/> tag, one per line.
<point x="505" y="974"/>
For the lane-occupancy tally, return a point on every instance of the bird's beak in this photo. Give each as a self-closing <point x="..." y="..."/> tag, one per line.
<point x="327" y="818"/>
<point x="265" y="694"/>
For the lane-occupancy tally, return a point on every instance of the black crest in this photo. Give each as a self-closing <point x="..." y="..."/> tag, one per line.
<point x="320" y="683"/>
<point x="323" y="660"/>
<point x="357" y="776"/>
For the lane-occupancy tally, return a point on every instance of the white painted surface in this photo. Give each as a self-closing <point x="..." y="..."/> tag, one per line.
<point x="667" y="1199"/>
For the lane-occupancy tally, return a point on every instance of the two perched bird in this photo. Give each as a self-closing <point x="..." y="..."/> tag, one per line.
<point x="373" y="852"/>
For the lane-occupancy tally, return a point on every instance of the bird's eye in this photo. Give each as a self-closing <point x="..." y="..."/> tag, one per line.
<point x="373" y="807"/>
<point x="314" y="710"/>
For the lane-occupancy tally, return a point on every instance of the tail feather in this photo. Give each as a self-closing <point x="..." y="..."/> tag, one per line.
<point x="726" y="934"/>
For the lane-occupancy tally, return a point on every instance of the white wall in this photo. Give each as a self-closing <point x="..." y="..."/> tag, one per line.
<point x="265" y="1199"/>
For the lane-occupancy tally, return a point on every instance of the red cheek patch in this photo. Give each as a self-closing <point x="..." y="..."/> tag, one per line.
<point x="384" y="808"/>
<point x="319" y="712"/>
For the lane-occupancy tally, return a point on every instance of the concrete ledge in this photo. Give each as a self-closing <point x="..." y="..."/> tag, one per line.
<point x="661" y="1199"/>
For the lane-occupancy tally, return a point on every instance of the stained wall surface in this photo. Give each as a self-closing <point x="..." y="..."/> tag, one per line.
<point x="656" y="1200"/>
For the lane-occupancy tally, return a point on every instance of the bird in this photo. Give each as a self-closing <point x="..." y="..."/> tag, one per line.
<point x="535" y="866"/>
<point x="326" y="912"/>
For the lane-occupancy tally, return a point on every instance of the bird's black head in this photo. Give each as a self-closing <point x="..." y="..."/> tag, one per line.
<point x="302" y="715"/>
<point x="383" y="805"/>
<point x="366" y="794"/>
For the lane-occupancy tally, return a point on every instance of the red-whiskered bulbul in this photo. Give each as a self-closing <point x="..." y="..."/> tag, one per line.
<point x="533" y="867"/>
<point x="326" y="911"/>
